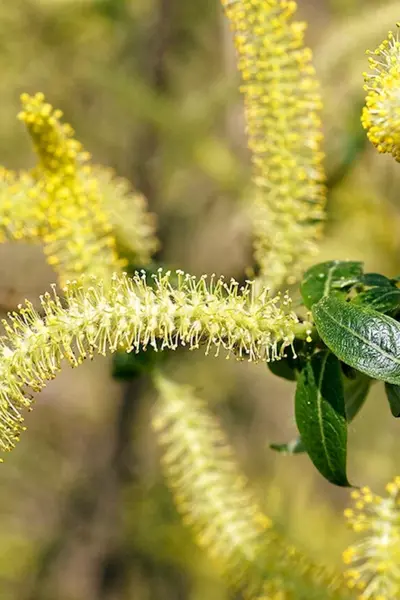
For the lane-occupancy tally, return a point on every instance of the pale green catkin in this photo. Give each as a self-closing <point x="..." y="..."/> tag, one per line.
<point x="215" y="500"/>
<point x="132" y="314"/>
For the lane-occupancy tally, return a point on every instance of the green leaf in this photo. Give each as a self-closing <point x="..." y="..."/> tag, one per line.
<point x="320" y="280"/>
<point x="347" y="371"/>
<point x="382" y="299"/>
<point x="355" y="393"/>
<point x="376" y="280"/>
<point x="292" y="362"/>
<point x="282" y="368"/>
<point x="296" y="446"/>
<point x="361" y="337"/>
<point x="393" y="396"/>
<point x="321" y="418"/>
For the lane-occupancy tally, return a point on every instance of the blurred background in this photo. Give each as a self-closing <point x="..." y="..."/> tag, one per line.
<point x="150" y="87"/>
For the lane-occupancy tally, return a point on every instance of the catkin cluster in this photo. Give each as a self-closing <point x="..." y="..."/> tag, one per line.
<point x="85" y="217"/>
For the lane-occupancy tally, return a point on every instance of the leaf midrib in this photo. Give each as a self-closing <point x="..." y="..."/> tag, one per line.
<point x="329" y="280"/>
<point x="319" y="412"/>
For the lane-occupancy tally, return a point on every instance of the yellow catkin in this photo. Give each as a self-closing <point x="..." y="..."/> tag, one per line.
<point x="86" y="217"/>
<point x="20" y="217"/>
<point x="381" y="114"/>
<point x="76" y="232"/>
<point x="374" y="561"/>
<point x="282" y="109"/>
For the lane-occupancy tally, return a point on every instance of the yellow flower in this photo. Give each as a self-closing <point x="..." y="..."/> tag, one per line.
<point x="381" y="115"/>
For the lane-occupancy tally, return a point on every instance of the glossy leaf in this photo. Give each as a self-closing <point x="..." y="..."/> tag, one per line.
<point x="355" y="393"/>
<point x="323" y="279"/>
<point x="393" y="396"/>
<point x="321" y="418"/>
<point x="296" y="446"/>
<point x="288" y="366"/>
<point x="382" y="299"/>
<point x="376" y="280"/>
<point x="363" y="338"/>
<point x="281" y="368"/>
<point x="348" y="372"/>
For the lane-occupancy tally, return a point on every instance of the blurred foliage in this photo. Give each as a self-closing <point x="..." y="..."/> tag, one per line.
<point x="150" y="87"/>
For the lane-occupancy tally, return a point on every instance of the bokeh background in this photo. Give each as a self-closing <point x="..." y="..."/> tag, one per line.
<point x="150" y="87"/>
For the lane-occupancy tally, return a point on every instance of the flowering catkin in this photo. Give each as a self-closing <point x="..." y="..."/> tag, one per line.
<point x="381" y="114"/>
<point x="132" y="314"/>
<point x="214" y="499"/>
<point x="282" y="110"/>
<point x="83" y="214"/>
<point x="79" y="237"/>
<point x="210" y="492"/>
<point x="374" y="561"/>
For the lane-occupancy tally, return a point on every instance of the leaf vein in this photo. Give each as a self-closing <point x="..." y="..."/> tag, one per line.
<point x="360" y="337"/>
